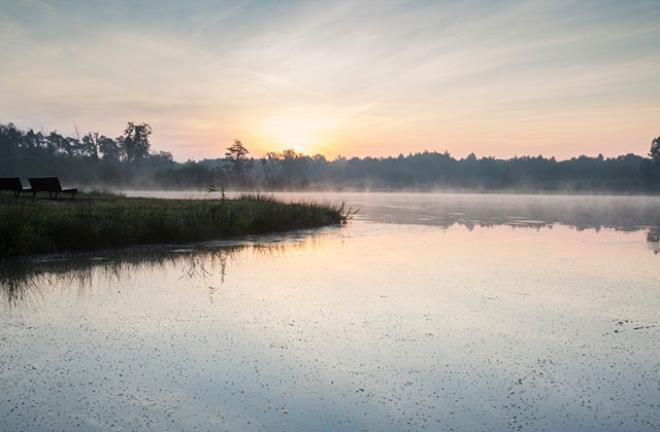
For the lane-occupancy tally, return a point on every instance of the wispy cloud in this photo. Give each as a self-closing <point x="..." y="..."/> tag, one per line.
<point x="499" y="77"/>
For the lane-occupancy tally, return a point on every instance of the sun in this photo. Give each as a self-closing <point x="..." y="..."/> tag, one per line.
<point x="302" y="133"/>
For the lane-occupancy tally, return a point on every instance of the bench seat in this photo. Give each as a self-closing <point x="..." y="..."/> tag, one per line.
<point x="12" y="184"/>
<point x="51" y="185"/>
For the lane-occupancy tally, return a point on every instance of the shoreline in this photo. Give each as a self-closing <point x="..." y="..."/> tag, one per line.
<point x="96" y="221"/>
<point x="136" y="193"/>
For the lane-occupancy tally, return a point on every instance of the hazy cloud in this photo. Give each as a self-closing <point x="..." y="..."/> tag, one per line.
<point x="381" y="77"/>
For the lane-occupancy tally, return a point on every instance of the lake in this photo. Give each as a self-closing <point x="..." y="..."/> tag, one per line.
<point x="439" y="312"/>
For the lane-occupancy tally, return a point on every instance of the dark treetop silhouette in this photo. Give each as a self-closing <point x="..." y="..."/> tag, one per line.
<point x="127" y="161"/>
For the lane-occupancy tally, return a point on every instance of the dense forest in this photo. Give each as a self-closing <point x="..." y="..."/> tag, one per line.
<point x="98" y="161"/>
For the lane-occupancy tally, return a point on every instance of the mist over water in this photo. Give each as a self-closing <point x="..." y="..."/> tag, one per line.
<point x="426" y="312"/>
<point x="471" y="209"/>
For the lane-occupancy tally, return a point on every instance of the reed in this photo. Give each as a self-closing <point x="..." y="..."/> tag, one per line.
<point x="100" y="221"/>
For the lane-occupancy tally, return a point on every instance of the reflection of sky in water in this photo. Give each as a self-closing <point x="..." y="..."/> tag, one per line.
<point x="443" y="209"/>
<point x="374" y="326"/>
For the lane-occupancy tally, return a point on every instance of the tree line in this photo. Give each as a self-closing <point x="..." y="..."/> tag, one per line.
<point x="127" y="161"/>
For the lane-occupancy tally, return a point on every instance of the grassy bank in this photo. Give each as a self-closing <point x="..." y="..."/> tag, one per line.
<point x="99" y="221"/>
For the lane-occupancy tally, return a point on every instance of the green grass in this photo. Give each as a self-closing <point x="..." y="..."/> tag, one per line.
<point x="100" y="221"/>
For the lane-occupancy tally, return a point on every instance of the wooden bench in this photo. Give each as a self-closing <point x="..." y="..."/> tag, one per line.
<point x="51" y="185"/>
<point x="12" y="184"/>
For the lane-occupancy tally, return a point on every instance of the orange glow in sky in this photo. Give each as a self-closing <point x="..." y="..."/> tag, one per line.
<point x="498" y="78"/>
<point x="298" y="131"/>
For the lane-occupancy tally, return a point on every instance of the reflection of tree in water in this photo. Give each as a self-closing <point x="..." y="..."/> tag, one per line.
<point x="538" y="212"/>
<point x="542" y="211"/>
<point x="653" y="240"/>
<point x="22" y="280"/>
<point x="652" y="235"/>
<point x="18" y="286"/>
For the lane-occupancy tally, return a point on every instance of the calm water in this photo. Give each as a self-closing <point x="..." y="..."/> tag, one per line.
<point x="427" y="312"/>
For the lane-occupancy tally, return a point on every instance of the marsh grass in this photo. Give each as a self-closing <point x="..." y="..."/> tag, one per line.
<point x="99" y="221"/>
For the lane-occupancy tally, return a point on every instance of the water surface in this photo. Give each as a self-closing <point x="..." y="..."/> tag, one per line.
<point x="427" y="312"/>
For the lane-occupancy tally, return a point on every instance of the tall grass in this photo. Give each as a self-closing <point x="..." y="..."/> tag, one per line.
<point x="104" y="221"/>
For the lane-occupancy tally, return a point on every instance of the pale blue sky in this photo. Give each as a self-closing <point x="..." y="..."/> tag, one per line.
<point x="370" y="77"/>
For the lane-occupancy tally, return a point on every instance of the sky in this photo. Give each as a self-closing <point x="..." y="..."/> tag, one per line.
<point x="353" y="78"/>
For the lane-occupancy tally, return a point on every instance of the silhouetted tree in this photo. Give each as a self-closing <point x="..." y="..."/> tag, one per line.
<point x="655" y="150"/>
<point x="163" y="156"/>
<point x="54" y="143"/>
<point x="290" y="154"/>
<point x="135" y="141"/>
<point x="10" y="136"/>
<point x="90" y="145"/>
<point x="96" y="159"/>
<point x="110" y="149"/>
<point x="237" y="151"/>
<point x="236" y="155"/>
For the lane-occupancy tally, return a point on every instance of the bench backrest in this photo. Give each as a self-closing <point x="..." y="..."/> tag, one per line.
<point x="10" y="184"/>
<point x="48" y="184"/>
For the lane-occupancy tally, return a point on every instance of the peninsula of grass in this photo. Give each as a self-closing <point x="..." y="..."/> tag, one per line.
<point x="101" y="221"/>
